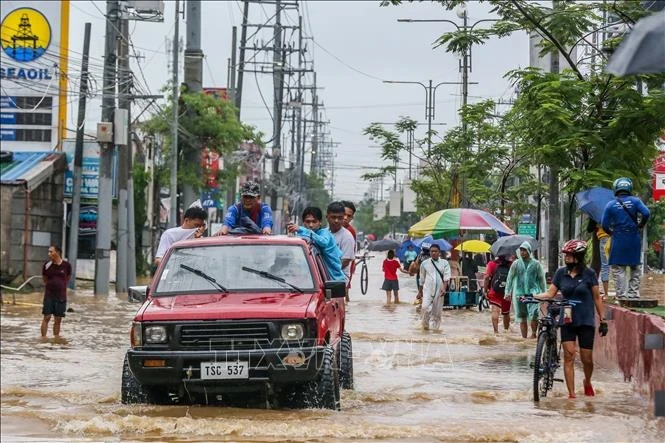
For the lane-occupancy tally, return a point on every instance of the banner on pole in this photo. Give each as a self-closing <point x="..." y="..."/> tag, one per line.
<point x="409" y="199"/>
<point x="379" y="210"/>
<point x="395" y="203"/>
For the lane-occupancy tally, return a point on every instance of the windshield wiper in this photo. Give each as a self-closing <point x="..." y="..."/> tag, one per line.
<point x="270" y="276"/>
<point x="204" y="276"/>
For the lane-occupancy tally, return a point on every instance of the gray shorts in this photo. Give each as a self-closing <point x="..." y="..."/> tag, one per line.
<point x="390" y="285"/>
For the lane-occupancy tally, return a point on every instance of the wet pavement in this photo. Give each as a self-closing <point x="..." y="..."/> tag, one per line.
<point x="462" y="383"/>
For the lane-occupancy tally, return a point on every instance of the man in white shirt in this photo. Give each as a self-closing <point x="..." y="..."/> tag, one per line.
<point x="434" y="278"/>
<point x="193" y="226"/>
<point x="343" y="238"/>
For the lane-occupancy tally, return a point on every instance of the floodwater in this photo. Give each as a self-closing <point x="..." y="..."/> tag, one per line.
<point x="462" y="383"/>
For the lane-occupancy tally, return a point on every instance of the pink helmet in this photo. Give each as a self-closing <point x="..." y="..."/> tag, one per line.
<point x="574" y="247"/>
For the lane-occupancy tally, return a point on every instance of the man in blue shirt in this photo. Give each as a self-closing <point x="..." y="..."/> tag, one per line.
<point x="250" y="214"/>
<point x="620" y="220"/>
<point x="322" y="239"/>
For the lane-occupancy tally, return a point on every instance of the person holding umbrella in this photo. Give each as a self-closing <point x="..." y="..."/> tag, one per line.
<point x="620" y="220"/>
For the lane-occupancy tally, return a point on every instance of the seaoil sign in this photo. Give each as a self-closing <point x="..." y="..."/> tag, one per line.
<point x="26" y="74"/>
<point x="26" y="36"/>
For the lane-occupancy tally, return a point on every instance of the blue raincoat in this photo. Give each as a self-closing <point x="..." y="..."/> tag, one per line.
<point x="626" y="245"/>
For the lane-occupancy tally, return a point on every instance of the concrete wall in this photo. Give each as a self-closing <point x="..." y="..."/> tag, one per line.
<point x="6" y="195"/>
<point x="624" y="347"/>
<point x="25" y="254"/>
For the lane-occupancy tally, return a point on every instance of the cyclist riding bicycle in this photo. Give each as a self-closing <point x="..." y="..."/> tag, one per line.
<point x="579" y="283"/>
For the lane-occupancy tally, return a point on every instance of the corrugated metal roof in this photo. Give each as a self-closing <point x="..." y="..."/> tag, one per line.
<point x="22" y="163"/>
<point x="31" y="168"/>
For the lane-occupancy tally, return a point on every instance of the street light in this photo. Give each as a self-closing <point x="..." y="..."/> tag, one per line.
<point x="430" y="103"/>
<point x="466" y="54"/>
<point x="409" y="138"/>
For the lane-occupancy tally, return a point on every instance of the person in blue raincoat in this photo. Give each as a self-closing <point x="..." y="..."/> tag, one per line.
<point x="623" y="218"/>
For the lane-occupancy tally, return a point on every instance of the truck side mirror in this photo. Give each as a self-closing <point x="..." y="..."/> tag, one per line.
<point x="137" y="294"/>
<point x="335" y="289"/>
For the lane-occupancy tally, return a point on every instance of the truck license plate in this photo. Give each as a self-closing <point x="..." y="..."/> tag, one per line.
<point x="224" y="370"/>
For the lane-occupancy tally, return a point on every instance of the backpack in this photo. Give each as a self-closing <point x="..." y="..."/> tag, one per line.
<point x="499" y="278"/>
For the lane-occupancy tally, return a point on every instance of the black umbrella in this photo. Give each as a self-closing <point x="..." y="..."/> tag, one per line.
<point x="643" y="50"/>
<point x="384" y="245"/>
<point x="506" y="246"/>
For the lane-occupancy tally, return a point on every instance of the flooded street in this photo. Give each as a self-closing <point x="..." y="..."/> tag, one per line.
<point x="462" y="383"/>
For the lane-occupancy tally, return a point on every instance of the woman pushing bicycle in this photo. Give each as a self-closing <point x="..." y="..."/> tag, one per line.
<point x="579" y="283"/>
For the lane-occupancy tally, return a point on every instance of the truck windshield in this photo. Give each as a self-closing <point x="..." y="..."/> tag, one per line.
<point x="224" y="263"/>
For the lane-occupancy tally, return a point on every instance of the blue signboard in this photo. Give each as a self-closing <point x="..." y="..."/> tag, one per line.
<point x="8" y="135"/>
<point x="7" y="102"/>
<point x="89" y="169"/>
<point x="210" y="199"/>
<point x="8" y="118"/>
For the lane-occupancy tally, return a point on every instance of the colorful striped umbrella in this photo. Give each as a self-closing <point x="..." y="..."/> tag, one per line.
<point x="451" y="222"/>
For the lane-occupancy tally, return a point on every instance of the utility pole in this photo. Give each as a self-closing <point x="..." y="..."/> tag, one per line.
<point x="193" y="79"/>
<point x="231" y="185"/>
<point x="231" y="82"/>
<point x="124" y="91"/>
<point x="237" y="88"/>
<point x="78" y="159"/>
<point x="105" y="204"/>
<point x="299" y="142"/>
<point x="278" y="82"/>
<point x="554" y="214"/>
<point x="315" y="131"/>
<point x="173" y="216"/>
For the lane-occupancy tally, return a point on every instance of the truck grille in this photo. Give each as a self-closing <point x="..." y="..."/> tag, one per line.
<point x="224" y="336"/>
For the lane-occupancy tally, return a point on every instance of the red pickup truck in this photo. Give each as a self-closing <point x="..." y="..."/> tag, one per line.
<point x="231" y="315"/>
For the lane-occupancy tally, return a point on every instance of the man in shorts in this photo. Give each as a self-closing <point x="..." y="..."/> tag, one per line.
<point x="55" y="273"/>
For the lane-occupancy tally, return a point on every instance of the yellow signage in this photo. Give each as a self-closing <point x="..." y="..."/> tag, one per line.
<point x="26" y="34"/>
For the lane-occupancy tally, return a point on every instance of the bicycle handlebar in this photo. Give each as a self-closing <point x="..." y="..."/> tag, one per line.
<point x="529" y="299"/>
<point x="364" y="256"/>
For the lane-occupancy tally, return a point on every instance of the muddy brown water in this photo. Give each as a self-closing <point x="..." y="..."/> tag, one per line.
<point x="462" y="383"/>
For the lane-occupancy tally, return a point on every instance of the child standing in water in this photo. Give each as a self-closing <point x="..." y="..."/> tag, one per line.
<point x="390" y="282"/>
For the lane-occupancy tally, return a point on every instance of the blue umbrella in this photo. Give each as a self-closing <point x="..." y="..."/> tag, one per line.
<point x="593" y="202"/>
<point x="404" y="247"/>
<point x="428" y="241"/>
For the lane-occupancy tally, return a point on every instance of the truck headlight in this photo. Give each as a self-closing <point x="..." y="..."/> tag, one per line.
<point x="292" y="331"/>
<point x="136" y="336"/>
<point x="155" y="334"/>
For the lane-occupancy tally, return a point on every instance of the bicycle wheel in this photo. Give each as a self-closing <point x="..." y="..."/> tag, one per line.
<point x="364" y="279"/>
<point x="543" y="378"/>
<point x="483" y="303"/>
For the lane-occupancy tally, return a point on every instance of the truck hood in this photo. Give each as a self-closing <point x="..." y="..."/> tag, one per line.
<point x="225" y="306"/>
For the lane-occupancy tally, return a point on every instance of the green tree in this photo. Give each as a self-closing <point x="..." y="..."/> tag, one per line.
<point x="204" y="122"/>
<point x="588" y="125"/>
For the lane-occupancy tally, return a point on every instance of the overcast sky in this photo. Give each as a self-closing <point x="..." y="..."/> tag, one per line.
<point x="367" y="45"/>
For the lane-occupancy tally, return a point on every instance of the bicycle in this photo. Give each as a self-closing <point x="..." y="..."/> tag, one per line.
<point x="548" y="348"/>
<point x="483" y="301"/>
<point x="364" y="273"/>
